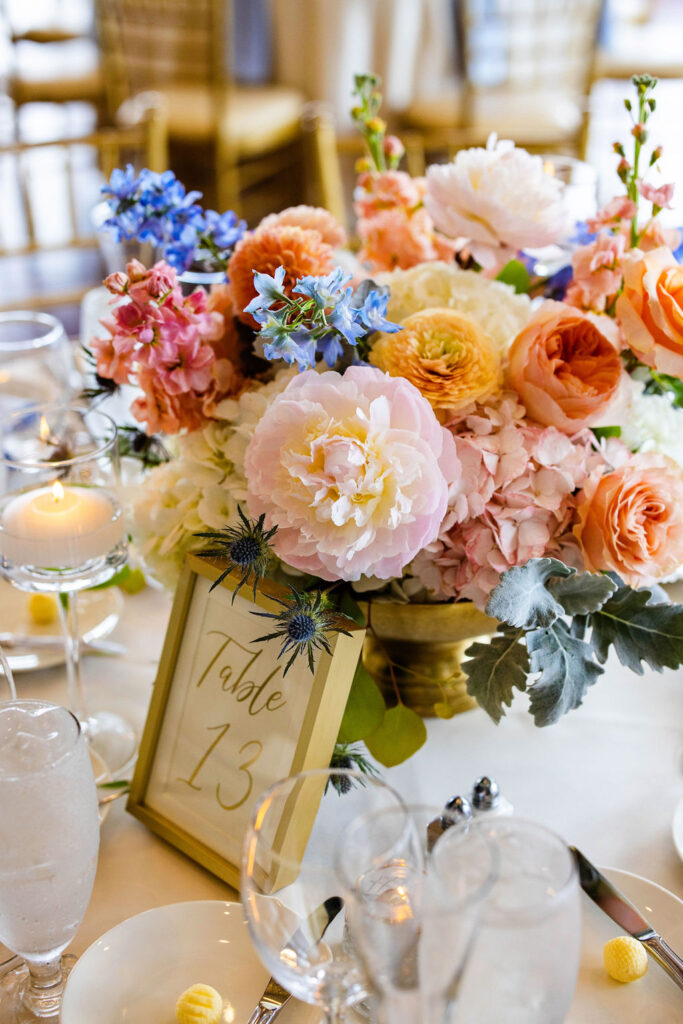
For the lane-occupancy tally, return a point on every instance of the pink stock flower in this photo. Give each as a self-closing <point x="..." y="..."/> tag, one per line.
<point x="617" y="209"/>
<point x="656" y="236"/>
<point x="659" y="196"/>
<point x="512" y="501"/>
<point x="395" y="238"/>
<point x="597" y="272"/>
<point x="354" y="471"/>
<point x="384" y="190"/>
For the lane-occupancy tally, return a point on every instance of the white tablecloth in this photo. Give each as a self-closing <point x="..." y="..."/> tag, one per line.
<point x="607" y="777"/>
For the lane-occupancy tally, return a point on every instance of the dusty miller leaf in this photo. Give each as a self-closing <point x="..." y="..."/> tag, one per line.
<point x="566" y="667"/>
<point x="522" y="598"/>
<point x="495" y="669"/>
<point x="583" y="592"/>
<point x="639" y="631"/>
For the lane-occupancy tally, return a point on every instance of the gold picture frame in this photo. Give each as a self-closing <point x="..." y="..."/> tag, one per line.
<point x="224" y="722"/>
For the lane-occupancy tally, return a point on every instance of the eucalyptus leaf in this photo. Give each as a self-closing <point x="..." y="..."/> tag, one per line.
<point x="522" y="598"/>
<point x="516" y="274"/>
<point x="365" y="708"/>
<point x="567" y="668"/>
<point x="639" y="631"/>
<point x="400" y="735"/>
<point x="349" y="607"/>
<point x="495" y="669"/>
<point x="583" y="592"/>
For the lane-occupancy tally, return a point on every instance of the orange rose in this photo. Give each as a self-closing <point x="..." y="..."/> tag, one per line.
<point x="565" y="368"/>
<point x="445" y="354"/>
<point x="650" y="309"/>
<point x="631" y="520"/>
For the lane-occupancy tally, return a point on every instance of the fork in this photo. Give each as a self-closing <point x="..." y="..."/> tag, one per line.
<point x="270" y="1003"/>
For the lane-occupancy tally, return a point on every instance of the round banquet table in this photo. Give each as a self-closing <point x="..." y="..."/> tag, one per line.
<point x="607" y="777"/>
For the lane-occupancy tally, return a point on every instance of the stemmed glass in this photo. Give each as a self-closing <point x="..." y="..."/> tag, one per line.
<point x="49" y="839"/>
<point x="35" y="360"/>
<point x="413" y="906"/>
<point x="290" y="891"/>
<point x="62" y="530"/>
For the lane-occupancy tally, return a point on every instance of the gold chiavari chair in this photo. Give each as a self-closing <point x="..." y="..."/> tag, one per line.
<point x="178" y="48"/>
<point x="521" y="68"/>
<point x="48" y="245"/>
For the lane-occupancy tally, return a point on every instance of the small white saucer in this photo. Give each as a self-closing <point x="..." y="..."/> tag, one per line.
<point x="134" y="973"/>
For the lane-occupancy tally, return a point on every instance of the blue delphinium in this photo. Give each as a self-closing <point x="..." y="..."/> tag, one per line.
<point x="156" y="208"/>
<point x="318" y="318"/>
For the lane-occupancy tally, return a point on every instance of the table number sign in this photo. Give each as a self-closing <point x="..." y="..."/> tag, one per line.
<point x="225" y="722"/>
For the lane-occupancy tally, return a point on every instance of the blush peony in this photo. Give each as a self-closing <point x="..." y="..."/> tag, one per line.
<point x="650" y="309"/>
<point x="448" y="358"/>
<point x="566" y="370"/>
<point x="354" y="471"/>
<point x="499" y="198"/>
<point x="631" y="520"/>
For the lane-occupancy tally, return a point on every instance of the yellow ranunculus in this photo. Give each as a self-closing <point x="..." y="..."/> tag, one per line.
<point x="445" y="354"/>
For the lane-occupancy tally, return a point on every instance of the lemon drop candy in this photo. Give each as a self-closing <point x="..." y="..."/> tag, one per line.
<point x="42" y="609"/>
<point x="625" y="959"/>
<point x="199" y="1004"/>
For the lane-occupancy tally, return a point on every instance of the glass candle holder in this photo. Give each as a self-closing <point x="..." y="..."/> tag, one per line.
<point x="35" y="360"/>
<point x="62" y="530"/>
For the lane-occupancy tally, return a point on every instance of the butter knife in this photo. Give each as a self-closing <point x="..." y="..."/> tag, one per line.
<point x="616" y="906"/>
<point x="309" y="933"/>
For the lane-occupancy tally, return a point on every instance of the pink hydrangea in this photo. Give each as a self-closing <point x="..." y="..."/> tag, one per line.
<point x="513" y="500"/>
<point x="161" y="341"/>
<point x="354" y="471"/>
<point x="597" y="272"/>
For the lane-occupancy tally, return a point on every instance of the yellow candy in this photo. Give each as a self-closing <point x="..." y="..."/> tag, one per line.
<point x="42" y="608"/>
<point x="200" y="1004"/>
<point x="625" y="959"/>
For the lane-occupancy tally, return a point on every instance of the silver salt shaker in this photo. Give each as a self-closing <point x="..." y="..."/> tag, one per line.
<point x="456" y="811"/>
<point x="488" y="800"/>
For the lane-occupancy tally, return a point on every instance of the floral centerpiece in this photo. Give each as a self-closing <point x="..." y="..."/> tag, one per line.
<point x="409" y="426"/>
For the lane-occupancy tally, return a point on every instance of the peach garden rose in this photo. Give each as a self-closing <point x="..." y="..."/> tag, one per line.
<point x="650" y="309"/>
<point x="565" y="369"/>
<point x="631" y="520"/>
<point x="353" y="470"/>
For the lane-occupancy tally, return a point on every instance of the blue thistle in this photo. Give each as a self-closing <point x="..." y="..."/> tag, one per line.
<point x="246" y="548"/>
<point x="303" y="626"/>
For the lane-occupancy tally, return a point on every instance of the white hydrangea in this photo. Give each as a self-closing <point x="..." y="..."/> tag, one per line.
<point x="202" y="485"/>
<point x="493" y="305"/>
<point x="653" y="424"/>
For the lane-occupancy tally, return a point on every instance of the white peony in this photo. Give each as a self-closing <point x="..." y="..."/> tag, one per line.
<point x="500" y="199"/>
<point x="492" y="305"/>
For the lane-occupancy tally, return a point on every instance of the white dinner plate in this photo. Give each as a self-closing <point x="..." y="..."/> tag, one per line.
<point x="98" y="613"/>
<point x="134" y="973"/>
<point x="654" y="999"/>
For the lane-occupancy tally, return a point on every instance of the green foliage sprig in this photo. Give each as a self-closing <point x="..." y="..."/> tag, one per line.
<point x="385" y="151"/>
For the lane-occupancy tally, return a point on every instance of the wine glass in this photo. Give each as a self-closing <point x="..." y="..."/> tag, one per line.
<point x="35" y="360"/>
<point x="525" y="960"/>
<point x="49" y="838"/>
<point x="413" y="906"/>
<point x="62" y="530"/>
<point x="290" y="891"/>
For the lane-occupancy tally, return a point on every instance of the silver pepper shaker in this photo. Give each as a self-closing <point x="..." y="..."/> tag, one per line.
<point x="488" y="800"/>
<point x="456" y="811"/>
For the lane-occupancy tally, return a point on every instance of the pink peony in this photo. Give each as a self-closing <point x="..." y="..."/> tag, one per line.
<point x="499" y="198"/>
<point x="660" y="197"/>
<point x="617" y="209"/>
<point x="353" y="470"/>
<point x="512" y="501"/>
<point x="597" y="272"/>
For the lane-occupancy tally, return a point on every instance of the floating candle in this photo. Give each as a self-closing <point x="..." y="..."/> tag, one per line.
<point x="59" y="526"/>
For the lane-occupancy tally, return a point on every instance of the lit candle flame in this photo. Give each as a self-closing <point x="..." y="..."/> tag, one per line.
<point x="549" y="168"/>
<point x="57" y="491"/>
<point x="44" y="429"/>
